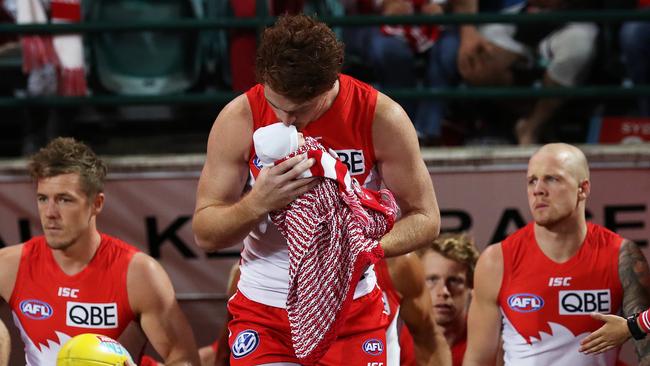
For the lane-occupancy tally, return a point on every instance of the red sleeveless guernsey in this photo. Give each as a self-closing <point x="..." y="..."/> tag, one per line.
<point x="397" y="328"/>
<point x="345" y="127"/>
<point x="49" y="307"/>
<point x="546" y="305"/>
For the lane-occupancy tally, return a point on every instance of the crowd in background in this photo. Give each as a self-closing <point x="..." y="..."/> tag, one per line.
<point x="423" y="57"/>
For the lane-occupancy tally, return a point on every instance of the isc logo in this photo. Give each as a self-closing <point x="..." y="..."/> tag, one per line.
<point x="559" y="281"/>
<point x="585" y="302"/>
<point x="91" y="315"/>
<point x="525" y="303"/>
<point x="373" y="347"/>
<point x="353" y="159"/>
<point x="36" y="309"/>
<point x="68" y="292"/>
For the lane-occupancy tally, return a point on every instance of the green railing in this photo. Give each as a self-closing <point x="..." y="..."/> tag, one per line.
<point x="609" y="16"/>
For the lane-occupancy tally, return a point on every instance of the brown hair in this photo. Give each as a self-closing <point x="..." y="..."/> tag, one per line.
<point x="458" y="247"/>
<point x="65" y="155"/>
<point x="299" y="58"/>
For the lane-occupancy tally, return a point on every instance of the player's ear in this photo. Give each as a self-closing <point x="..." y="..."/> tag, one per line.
<point x="584" y="188"/>
<point x="98" y="203"/>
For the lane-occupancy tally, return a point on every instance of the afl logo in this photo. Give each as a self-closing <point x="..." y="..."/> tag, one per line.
<point x="257" y="162"/>
<point x="245" y="343"/>
<point x="525" y="303"/>
<point x="35" y="309"/>
<point x="373" y="347"/>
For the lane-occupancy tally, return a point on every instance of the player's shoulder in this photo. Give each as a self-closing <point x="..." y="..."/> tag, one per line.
<point x="144" y="266"/>
<point x="9" y="262"/>
<point x="387" y="110"/>
<point x="238" y="108"/>
<point x="491" y="258"/>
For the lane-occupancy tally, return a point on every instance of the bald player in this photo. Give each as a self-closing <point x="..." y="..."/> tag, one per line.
<point x="539" y="286"/>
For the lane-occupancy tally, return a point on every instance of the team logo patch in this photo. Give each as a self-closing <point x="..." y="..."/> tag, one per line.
<point x="525" y="303"/>
<point x="373" y="347"/>
<point x="36" y="309"/>
<point x="245" y="343"/>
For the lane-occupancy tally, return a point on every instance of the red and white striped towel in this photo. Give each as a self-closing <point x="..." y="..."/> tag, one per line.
<point x="69" y="49"/>
<point x="332" y="233"/>
<point x="37" y="50"/>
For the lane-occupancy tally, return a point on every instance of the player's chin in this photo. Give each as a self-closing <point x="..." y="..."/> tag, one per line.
<point x="57" y="242"/>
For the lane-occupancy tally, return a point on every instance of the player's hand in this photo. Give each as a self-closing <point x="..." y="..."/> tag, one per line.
<point x="279" y="185"/>
<point x="612" y="334"/>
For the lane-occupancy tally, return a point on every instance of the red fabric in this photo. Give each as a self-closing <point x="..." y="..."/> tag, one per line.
<point x="419" y="37"/>
<point x="66" y="10"/>
<point x="644" y="321"/>
<point x="331" y="240"/>
<point x="547" y="303"/>
<point x="147" y="361"/>
<point x="644" y="3"/>
<point x="366" y="321"/>
<point x="458" y="351"/>
<point x="42" y="307"/>
<point x="71" y="73"/>
<point x="242" y="48"/>
<point x="393" y="298"/>
<point x="37" y="52"/>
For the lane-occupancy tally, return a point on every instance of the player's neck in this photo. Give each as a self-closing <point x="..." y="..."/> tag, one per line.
<point x="561" y="241"/>
<point x="454" y="332"/>
<point x="75" y="257"/>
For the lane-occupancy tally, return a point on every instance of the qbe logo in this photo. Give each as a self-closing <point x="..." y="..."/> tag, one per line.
<point x="91" y="315"/>
<point x="36" y="309"/>
<point x="373" y="347"/>
<point x="353" y="159"/>
<point x="525" y="303"/>
<point x="245" y="343"/>
<point x="585" y="302"/>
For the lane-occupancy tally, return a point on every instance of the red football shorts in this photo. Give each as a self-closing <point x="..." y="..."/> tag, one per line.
<point x="260" y="334"/>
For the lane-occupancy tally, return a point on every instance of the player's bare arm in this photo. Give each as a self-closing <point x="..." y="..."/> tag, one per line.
<point x="635" y="279"/>
<point x="9" y="261"/>
<point x="405" y="174"/>
<point x="223" y="217"/>
<point x="152" y="298"/>
<point x="431" y="347"/>
<point x="484" y="319"/>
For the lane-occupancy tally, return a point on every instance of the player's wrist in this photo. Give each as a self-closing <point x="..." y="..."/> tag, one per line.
<point x="633" y="326"/>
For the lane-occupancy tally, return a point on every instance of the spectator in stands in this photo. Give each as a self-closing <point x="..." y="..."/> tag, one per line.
<point x="563" y="53"/>
<point x="635" y="46"/>
<point x="449" y="270"/>
<point x="394" y="52"/>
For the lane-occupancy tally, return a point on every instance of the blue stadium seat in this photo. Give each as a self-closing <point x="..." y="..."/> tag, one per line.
<point x="146" y="62"/>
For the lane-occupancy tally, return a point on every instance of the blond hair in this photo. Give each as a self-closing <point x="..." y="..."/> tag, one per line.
<point x="458" y="247"/>
<point x="64" y="155"/>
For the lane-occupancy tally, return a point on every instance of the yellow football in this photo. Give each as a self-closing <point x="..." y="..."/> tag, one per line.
<point x="92" y="350"/>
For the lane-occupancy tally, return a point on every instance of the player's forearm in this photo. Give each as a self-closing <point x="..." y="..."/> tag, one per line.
<point x="222" y="226"/>
<point x="414" y="230"/>
<point x="431" y="349"/>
